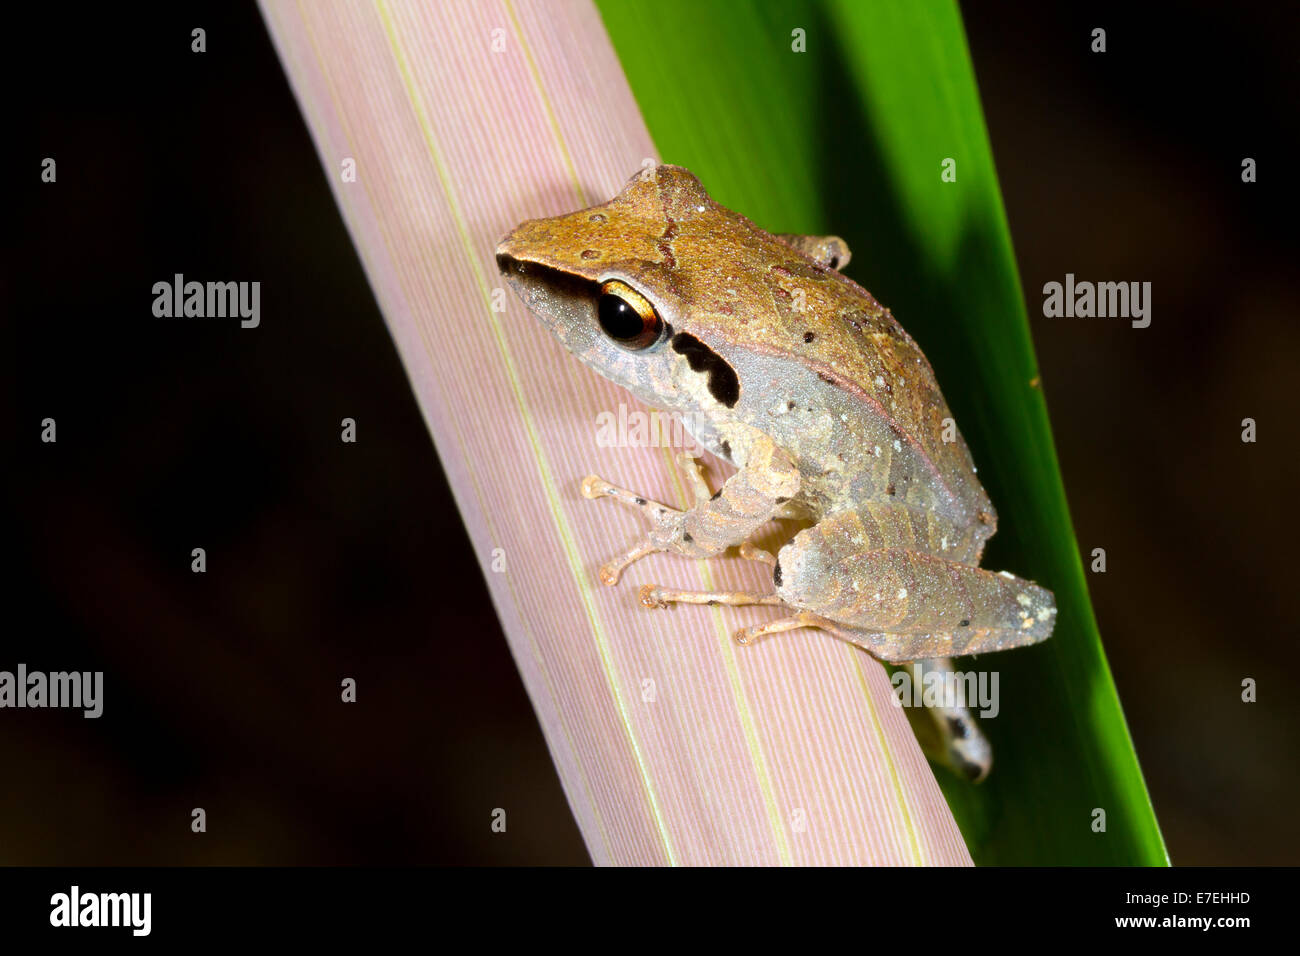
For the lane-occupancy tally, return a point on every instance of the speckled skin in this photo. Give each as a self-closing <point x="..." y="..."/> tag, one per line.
<point x="833" y="414"/>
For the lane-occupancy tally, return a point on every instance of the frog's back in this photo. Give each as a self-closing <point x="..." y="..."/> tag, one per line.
<point x="811" y="317"/>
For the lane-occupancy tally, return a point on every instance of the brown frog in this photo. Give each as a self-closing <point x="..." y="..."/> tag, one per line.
<point x="795" y="374"/>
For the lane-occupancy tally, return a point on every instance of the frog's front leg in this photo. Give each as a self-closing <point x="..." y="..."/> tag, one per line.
<point x="746" y="501"/>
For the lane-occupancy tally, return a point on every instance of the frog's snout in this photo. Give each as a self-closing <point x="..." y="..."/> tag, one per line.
<point x="512" y="251"/>
<point x="505" y="254"/>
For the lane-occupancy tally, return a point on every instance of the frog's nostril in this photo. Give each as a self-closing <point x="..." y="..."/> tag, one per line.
<point x="503" y="262"/>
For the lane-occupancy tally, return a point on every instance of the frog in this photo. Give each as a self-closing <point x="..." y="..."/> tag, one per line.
<point x="793" y="373"/>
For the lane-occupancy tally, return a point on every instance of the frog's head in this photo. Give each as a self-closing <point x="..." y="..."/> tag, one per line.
<point x="610" y="283"/>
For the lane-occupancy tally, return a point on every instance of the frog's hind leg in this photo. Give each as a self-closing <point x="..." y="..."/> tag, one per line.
<point x="654" y="596"/>
<point x="802" y="619"/>
<point x="961" y="745"/>
<point x="829" y="252"/>
<point x="913" y="604"/>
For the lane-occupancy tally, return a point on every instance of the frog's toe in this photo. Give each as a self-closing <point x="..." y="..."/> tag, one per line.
<point x="752" y="635"/>
<point x="752" y="552"/>
<point x="649" y="597"/>
<point x="613" y="569"/>
<point x="593" y="485"/>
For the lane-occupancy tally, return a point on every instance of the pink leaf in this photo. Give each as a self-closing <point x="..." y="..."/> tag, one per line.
<point x="674" y="745"/>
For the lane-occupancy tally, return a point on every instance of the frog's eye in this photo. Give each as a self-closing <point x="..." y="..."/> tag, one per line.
<point x="627" y="317"/>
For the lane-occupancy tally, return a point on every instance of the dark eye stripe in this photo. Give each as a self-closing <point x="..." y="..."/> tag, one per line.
<point x="723" y="383"/>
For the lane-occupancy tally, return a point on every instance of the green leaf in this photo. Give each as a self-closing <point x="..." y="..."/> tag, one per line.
<point x="849" y="138"/>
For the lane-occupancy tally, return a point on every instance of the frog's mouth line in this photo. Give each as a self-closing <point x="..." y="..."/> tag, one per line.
<point x="524" y="272"/>
<point x="554" y="296"/>
<point x="544" y="281"/>
<point x="507" y="264"/>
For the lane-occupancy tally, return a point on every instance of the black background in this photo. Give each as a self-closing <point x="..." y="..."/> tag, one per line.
<point x="328" y="560"/>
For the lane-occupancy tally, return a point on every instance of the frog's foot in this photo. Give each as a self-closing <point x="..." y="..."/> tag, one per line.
<point x="654" y="596"/>
<point x="751" y="552"/>
<point x="961" y="745"/>
<point x="667" y="532"/>
<point x="613" y="569"/>
<point x="730" y="516"/>
<point x="752" y="635"/>
<point x="829" y="252"/>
